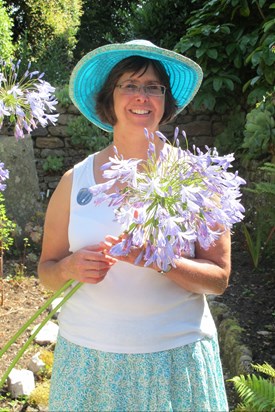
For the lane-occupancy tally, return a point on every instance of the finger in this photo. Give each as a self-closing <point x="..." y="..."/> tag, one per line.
<point x="105" y="244"/>
<point x="93" y="248"/>
<point x="112" y="239"/>
<point x="101" y="256"/>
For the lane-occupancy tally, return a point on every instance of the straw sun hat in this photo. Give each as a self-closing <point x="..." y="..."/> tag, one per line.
<point x="91" y="71"/>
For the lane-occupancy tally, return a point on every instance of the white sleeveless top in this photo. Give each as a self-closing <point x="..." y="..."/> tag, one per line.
<point x="134" y="309"/>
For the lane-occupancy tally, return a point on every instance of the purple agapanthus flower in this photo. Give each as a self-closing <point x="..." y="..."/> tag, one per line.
<point x="120" y="169"/>
<point x="4" y="175"/>
<point x="172" y="201"/>
<point x="26" y="102"/>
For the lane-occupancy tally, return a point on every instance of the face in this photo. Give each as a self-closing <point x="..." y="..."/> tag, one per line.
<point x="138" y="110"/>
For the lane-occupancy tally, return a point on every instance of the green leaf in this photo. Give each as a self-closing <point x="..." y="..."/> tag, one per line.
<point x="217" y="84"/>
<point x="225" y="29"/>
<point x="229" y="84"/>
<point x="268" y="25"/>
<point x="245" y="11"/>
<point x="256" y="58"/>
<point x="200" y="52"/>
<point x="210" y="102"/>
<point x="230" y="48"/>
<point x="254" y="80"/>
<point x="184" y="45"/>
<point x="238" y="61"/>
<point x="253" y="247"/>
<point x="197" y="42"/>
<point x="270" y="76"/>
<point x="212" y="53"/>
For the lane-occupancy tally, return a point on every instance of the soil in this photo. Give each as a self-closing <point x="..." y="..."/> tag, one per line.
<point x="250" y="296"/>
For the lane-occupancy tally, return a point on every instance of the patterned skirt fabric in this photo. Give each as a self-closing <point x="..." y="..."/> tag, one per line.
<point x="188" y="378"/>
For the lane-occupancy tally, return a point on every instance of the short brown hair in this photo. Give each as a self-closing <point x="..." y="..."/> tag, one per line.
<point x="104" y="99"/>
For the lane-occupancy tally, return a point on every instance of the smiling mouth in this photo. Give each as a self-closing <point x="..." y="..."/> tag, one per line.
<point x="139" y="111"/>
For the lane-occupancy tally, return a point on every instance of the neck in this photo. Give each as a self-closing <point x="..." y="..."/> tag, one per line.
<point x="134" y="144"/>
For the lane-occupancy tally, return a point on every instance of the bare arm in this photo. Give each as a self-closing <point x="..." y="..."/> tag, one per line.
<point x="57" y="264"/>
<point x="207" y="273"/>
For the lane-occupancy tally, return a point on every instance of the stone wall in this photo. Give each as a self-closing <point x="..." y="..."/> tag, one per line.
<point x="201" y="129"/>
<point x="55" y="141"/>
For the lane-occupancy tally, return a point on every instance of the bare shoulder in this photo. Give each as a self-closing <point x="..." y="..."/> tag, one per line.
<point x="66" y="180"/>
<point x="62" y="193"/>
<point x="59" y="204"/>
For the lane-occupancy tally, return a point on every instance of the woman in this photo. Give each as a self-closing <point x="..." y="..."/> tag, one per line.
<point x="131" y="339"/>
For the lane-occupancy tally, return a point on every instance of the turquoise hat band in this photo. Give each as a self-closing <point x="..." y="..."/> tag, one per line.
<point x="91" y="72"/>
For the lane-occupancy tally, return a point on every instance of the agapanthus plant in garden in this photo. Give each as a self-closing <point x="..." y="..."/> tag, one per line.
<point x="170" y="202"/>
<point x="27" y="101"/>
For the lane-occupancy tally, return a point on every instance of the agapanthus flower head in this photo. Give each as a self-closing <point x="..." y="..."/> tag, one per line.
<point x="25" y="102"/>
<point x="4" y="175"/>
<point x="171" y="201"/>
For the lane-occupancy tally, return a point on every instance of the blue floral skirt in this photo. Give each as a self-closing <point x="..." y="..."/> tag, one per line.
<point x="188" y="378"/>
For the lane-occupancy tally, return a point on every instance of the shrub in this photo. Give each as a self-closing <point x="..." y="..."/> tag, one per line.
<point x="62" y="95"/>
<point x="259" y="133"/>
<point x="6" y="46"/>
<point x="47" y="31"/>
<point x="233" y="41"/>
<point x="84" y="134"/>
<point x="40" y="395"/>
<point x="53" y="164"/>
<point x="7" y="227"/>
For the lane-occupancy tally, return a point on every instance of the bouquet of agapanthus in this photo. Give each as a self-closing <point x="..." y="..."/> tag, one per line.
<point x="171" y="201"/>
<point x="25" y="102"/>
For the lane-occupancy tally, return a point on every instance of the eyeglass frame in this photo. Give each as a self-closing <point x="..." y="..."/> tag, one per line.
<point x="141" y="87"/>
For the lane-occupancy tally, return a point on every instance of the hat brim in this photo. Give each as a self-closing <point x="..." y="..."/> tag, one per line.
<point x="90" y="73"/>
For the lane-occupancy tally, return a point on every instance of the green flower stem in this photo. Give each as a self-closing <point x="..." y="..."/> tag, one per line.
<point x="37" y="313"/>
<point x="33" y="335"/>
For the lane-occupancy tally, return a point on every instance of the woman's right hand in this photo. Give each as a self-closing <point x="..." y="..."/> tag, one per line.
<point x="88" y="265"/>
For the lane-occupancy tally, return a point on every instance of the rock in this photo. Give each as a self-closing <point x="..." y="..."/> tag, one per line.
<point x="264" y="333"/>
<point x="244" y="363"/>
<point x="36" y="364"/>
<point x="20" y="382"/>
<point x="235" y="355"/>
<point x="48" y="334"/>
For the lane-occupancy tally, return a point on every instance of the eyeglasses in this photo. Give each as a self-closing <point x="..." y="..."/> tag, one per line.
<point x="149" y="89"/>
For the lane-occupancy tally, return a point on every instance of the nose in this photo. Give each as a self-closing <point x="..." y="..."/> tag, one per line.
<point x="141" y="94"/>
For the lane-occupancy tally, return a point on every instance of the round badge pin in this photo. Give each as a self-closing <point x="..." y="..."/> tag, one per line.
<point x="84" y="196"/>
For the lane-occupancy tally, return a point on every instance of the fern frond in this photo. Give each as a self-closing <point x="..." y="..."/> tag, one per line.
<point x="241" y="408"/>
<point x="268" y="167"/>
<point x="257" y="393"/>
<point x="264" y="187"/>
<point x="265" y="368"/>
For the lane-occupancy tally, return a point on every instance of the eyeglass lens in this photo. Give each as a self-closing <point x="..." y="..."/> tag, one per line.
<point x="150" y="89"/>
